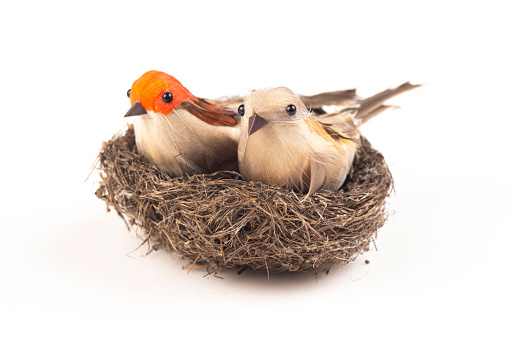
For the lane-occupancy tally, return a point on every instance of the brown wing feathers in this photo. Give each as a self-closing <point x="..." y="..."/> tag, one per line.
<point x="338" y="98"/>
<point x="209" y="113"/>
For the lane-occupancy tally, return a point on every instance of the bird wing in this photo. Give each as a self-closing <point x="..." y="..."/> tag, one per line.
<point x="338" y="98"/>
<point x="331" y="134"/>
<point x="328" y="169"/>
<point x="210" y="113"/>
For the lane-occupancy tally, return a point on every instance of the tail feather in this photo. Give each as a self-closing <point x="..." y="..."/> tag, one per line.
<point x="374" y="105"/>
<point x="365" y="109"/>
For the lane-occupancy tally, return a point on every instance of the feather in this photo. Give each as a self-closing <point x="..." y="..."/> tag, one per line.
<point x="349" y="118"/>
<point x="211" y="114"/>
<point x="318" y="176"/>
<point x="330" y="134"/>
<point x="371" y="106"/>
<point x="339" y="98"/>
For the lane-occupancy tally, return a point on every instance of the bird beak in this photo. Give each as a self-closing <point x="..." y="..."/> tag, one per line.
<point x="256" y="122"/>
<point x="136" y="109"/>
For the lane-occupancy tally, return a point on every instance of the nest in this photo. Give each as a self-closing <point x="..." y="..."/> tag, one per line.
<point x="221" y="221"/>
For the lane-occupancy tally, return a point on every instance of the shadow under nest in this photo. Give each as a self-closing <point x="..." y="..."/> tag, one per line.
<point x="221" y="221"/>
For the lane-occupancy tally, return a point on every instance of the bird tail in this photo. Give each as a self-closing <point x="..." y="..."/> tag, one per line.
<point x="366" y="109"/>
<point x="374" y="105"/>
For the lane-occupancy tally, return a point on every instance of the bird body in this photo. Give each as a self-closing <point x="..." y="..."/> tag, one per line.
<point x="307" y="162"/>
<point x="282" y="143"/>
<point x="180" y="143"/>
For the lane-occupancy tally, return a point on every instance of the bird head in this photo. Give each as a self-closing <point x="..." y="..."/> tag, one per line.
<point x="272" y="106"/>
<point x="161" y="93"/>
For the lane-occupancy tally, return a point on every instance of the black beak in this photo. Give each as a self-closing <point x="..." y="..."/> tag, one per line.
<point x="136" y="109"/>
<point x="256" y="122"/>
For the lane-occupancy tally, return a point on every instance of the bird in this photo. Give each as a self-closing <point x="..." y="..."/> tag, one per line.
<point x="184" y="134"/>
<point x="179" y="132"/>
<point x="283" y="143"/>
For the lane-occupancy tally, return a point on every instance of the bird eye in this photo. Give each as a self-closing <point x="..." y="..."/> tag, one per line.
<point x="129" y="93"/>
<point x="241" y="110"/>
<point x="167" y="97"/>
<point x="291" y="109"/>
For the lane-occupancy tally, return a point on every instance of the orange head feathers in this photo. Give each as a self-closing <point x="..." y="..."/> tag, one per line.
<point x="149" y="89"/>
<point x="161" y="93"/>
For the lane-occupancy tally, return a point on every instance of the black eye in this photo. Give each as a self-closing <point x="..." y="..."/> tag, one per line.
<point x="129" y="93"/>
<point x="167" y="97"/>
<point x="291" y="109"/>
<point x="241" y="110"/>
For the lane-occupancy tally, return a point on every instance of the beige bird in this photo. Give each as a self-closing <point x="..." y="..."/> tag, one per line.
<point x="283" y="143"/>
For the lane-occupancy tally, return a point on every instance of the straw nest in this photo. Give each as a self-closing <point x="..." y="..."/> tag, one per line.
<point x="221" y="221"/>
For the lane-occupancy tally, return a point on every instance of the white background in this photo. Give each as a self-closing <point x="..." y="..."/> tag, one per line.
<point x="69" y="269"/>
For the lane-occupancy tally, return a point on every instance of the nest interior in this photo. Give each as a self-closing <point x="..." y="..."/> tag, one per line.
<point x="221" y="221"/>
